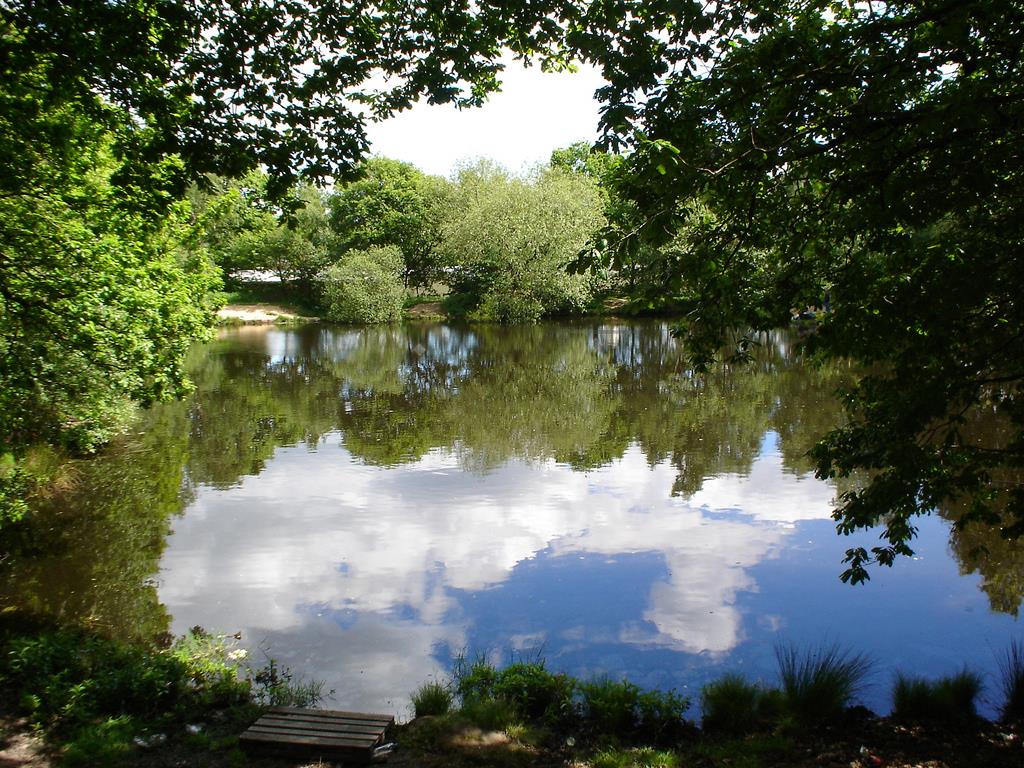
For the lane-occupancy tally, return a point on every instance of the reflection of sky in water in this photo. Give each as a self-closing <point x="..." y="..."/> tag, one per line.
<point x="372" y="579"/>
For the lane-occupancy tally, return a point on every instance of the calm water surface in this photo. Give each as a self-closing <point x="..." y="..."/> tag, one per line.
<point x="364" y="505"/>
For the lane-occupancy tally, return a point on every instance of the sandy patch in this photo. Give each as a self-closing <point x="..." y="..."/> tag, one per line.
<point x="427" y="309"/>
<point x="20" y="747"/>
<point x="255" y="313"/>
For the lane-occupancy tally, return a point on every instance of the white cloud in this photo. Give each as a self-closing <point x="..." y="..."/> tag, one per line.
<point x="360" y="561"/>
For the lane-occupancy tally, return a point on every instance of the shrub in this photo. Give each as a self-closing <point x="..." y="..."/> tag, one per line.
<point x="818" y="685"/>
<point x="619" y="708"/>
<point x="948" y="699"/>
<point x="364" y="287"/>
<point x="609" y="706"/>
<point x="733" y="706"/>
<point x="432" y="698"/>
<point x="68" y="679"/>
<point x="534" y="692"/>
<point x="1011" y="668"/>
<point x="511" y="244"/>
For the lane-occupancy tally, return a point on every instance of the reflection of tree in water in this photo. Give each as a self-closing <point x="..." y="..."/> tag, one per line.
<point x="982" y="546"/>
<point x="578" y="394"/>
<point x="88" y="552"/>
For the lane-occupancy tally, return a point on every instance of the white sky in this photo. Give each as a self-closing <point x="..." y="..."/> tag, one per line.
<point x="534" y="113"/>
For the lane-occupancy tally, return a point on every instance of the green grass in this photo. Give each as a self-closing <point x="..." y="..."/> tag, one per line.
<point x="818" y="685"/>
<point x="641" y="757"/>
<point x="432" y="698"/>
<point x="413" y="300"/>
<point x="489" y="714"/>
<point x="948" y="700"/>
<point x="1011" y="669"/>
<point x="751" y="752"/>
<point x="733" y="706"/>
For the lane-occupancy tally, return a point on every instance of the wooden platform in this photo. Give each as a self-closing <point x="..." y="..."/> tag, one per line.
<point x="315" y="733"/>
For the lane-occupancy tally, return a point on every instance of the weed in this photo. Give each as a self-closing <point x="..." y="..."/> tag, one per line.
<point x="106" y="743"/>
<point x="817" y="686"/>
<point x="1011" y="668"/>
<point x="275" y="686"/>
<point x="643" y="757"/>
<point x="609" y="706"/>
<point x="432" y="698"/>
<point x="948" y="699"/>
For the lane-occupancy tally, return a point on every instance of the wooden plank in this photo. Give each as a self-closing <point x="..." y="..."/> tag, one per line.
<point x="333" y="713"/>
<point x="349" y="735"/>
<point x="320" y="725"/>
<point x="352" y="740"/>
<point x="329" y="719"/>
<point x="284" y="717"/>
<point x="276" y="739"/>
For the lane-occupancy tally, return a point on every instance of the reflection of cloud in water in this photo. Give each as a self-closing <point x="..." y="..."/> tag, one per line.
<point x="346" y="570"/>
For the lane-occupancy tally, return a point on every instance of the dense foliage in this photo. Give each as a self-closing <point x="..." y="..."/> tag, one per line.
<point x="511" y="240"/>
<point x="394" y="203"/>
<point x="99" y="301"/>
<point x="863" y="155"/>
<point x="365" y="286"/>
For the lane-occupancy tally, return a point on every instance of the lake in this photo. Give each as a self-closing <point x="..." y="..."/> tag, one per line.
<point x="365" y="505"/>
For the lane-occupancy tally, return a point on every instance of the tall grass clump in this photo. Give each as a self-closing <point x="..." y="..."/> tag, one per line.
<point x="949" y="699"/>
<point x="819" y="685"/>
<point x="733" y="706"/>
<point x="1011" y="669"/>
<point x="433" y="698"/>
<point x="474" y="680"/>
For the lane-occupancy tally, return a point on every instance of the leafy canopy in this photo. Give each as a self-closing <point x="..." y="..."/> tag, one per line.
<point x="867" y="155"/>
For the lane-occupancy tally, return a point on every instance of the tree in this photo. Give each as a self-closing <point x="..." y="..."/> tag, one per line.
<point x="365" y="286"/>
<point x="510" y="240"/>
<point x="233" y="218"/>
<point x="867" y="155"/>
<point x="98" y="302"/>
<point x="394" y="203"/>
<point x="231" y="85"/>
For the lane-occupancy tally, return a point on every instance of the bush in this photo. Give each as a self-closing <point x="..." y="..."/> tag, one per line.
<point x="68" y="679"/>
<point x="534" y="692"/>
<point x="1011" y="668"/>
<point x="364" y="287"/>
<point x="510" y="245"/>
<point x="432" y="699"/>
<point x="619" y="708"/>
<point x="609" y="706"/>
<point x="948" y="699"/>
<point x="817" y="686"/>
<point x="733" y="706"/>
